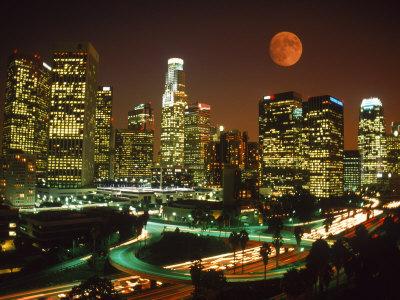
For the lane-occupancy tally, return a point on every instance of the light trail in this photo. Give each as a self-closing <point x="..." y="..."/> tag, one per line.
<point x="225" y="261"/>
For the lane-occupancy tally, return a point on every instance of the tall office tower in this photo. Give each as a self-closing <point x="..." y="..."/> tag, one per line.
<point x="18" y="178"/>
<point x="72" y="115"/>
<point x="197" y="136"/>
<point x="228" y="151"/>
<point x="372" y="142"/>
<point x="103" y="138"/>
<point x="213" y="155"/>
<point x="173" y="115"/>
<point x="280" y="124"/>
<point x="141" y="123"/>
<point x="324" y="122"/>
<point x="233" y="148"/>
<point x="26" y="108"/>
<point x="141" y="117"/>
<point x="216" y="132"/>
<point x="393" y="149"/>
<point x="351" y="170"/>
<point x="124" y="158"/>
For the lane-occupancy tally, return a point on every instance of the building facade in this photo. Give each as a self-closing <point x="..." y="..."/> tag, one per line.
<point x="26" y="108"/>
<point x="173" y="115"/>
<point x="18" y="179"/>
<point x="280" y="125"/>
<point x="141" y="122"/>
<point x="372" y="142"/>
<point x="351" y="170"/>
<point x="103" y="138"/>
<point x="197" y="136"/>
<point x="324" y="125"/>
<point x="72" y="115"/>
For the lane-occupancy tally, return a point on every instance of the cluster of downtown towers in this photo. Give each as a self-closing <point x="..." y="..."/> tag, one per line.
<point x="58" y="127"/>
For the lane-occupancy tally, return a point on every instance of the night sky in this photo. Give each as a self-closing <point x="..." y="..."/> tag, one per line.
<point x="351" y="50"/>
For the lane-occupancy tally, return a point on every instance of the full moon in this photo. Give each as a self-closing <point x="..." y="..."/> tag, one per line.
<point x="285" y="49"/>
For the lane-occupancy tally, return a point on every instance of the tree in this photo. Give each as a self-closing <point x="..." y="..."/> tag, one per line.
<point x="339" y="256"/>
<point x="265" y="250"/>
<point x="328" y="221"/>
<point x="94" y="288"/>
<point x="234" y="240"/>
<point x="318" y="260"/>
<point x="298" y="234"/>
<point x="275" y="225"/>
<point x="277" y="243"/>
<point x="244" y="238"/>
<point x="293" y="284"/>
<point x="195" y="274"/>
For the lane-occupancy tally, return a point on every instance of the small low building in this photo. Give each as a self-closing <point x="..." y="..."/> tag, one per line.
<point x="52" y="228"/>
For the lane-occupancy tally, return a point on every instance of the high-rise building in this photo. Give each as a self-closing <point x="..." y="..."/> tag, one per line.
<point x="372" y="142"/>
<point x="216" y="132"/>
<point x="324" y="125"/>
<point x="141" y="122"/>
<point x="351" y="170"/>
<point x="280" y="125"/>
<point x="18" y="178"/>
<point x="173" y="115"/>
<point x="72" y="115"/>
<point x="141" y="117"/>
<point x="393" y="149"/>
<point x="103" y="138"/>
<point x="197" y="136"/>
<point x="229" y="150"/>
<point x="124" y="164"/>
<point x="26" y="108"/>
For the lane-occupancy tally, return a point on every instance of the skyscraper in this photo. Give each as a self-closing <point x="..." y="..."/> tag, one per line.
<point x="124" y="165"/>
<point x="141" y="123"/>
<point x="103" y="138"/>
<point x="197" y="136"/>
<point x="372" y="142"/>
<point x="141" y="117"/>
<point x="72" y="115"/>
<point x="172" y="115"/>
<point x="351" y="170"/>
<point x="228" y="151"/>
<point x="280" y="124"/>
<point x="324" y="123"/>
<point x="26" y="109"/>
<point x="393" y="149"/>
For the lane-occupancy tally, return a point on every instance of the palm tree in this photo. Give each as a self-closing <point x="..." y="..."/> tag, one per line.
<point x="318" y="260"/>
<point x="328" y="221"/>
<point x="298" y="234"/>
<point x="265" y="250"/>
<point x="234" y="240"/>
<point x="244" y="238"/>
<point x="339" y="256"/>
<point x="277" y="243"/>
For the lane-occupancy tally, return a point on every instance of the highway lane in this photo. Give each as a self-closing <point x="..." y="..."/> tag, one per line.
<point x="176" y="291"/>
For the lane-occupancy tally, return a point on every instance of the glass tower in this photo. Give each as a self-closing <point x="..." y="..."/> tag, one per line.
<point x="141" y="123"/>
<point x="280" y="123"/>
<point x="102" y="155"/>
<point x="197" y="136"/>
<point x="26" y="109"/>
<point x="324" y="125"/>
<point x="72" y="115"/>
<point x="372" y="142"/>
<point x="351" y="170"/>
<point x="172" y="115"/>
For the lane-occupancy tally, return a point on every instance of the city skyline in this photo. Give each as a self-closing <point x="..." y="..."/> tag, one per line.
<point x="346" y="64"/>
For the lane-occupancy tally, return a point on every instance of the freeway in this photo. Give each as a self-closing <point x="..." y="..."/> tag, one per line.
<point x="124" y="259"/>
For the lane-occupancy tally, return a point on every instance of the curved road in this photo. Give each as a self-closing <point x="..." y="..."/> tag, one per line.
<point x="124" y="259"/>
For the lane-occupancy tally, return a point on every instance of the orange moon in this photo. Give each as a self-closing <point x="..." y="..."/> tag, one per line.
<point x="285" y="49"/>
